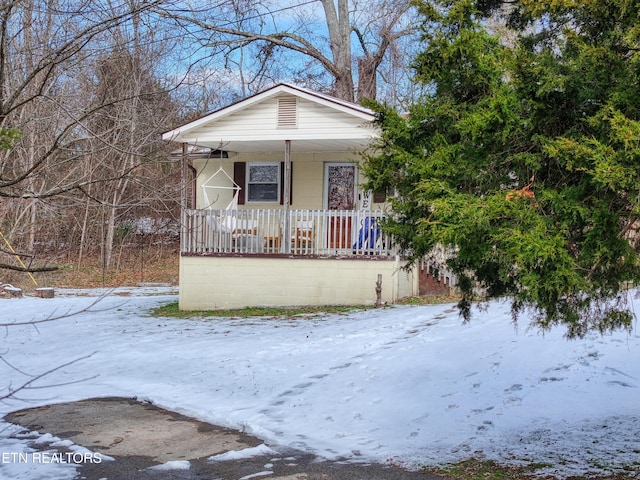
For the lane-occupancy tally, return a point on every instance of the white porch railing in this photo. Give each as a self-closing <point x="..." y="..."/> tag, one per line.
<point x="274" y="231"/>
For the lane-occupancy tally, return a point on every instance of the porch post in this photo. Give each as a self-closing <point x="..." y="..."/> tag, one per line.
<point x="184" y="174"/>
<point x="286" y="245"/>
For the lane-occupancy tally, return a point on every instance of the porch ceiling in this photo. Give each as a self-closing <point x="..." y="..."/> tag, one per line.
<point x="303" y="145"/>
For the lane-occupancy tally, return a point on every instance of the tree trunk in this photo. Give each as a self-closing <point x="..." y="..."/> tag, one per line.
<point x="109" y="236"/>
<point x="340" y="43"/>
<point x="367" y="78"/>
<point x="83" y="234"/>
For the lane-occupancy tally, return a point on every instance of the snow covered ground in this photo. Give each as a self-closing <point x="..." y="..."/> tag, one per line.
<point x="412" y="385"/>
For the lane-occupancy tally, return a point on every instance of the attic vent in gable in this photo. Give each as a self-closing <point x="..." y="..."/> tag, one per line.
<point x="288" y="111"/>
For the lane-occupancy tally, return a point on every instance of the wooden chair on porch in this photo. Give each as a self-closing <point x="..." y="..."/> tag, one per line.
<point x="245" y="236"/>
<point x="302" y="239"/>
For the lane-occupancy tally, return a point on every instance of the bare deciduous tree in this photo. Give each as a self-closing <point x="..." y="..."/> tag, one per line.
<point x="349" y="45"/>
<point x="125" y="133"/>
<point x="52" y="158"/>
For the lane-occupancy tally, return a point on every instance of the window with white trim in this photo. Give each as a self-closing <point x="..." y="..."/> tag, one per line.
<point x="263" y="182"/>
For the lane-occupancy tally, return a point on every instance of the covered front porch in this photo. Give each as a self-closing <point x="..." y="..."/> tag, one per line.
<point x="280" y="257"/>
<point x="304" y="233"/>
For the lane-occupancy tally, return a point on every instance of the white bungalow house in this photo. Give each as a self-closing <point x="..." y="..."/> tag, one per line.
<point x="273" y="212"/>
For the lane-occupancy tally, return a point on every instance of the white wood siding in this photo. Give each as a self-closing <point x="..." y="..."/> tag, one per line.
<point x="259" y="122"/>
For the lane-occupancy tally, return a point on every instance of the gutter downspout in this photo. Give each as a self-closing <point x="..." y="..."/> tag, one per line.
<point x="194" y="179"/>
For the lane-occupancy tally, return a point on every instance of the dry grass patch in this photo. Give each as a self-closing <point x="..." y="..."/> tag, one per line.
<point x="475" y="469"/>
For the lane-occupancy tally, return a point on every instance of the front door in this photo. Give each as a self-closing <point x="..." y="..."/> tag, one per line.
<point x="340" y="194"/>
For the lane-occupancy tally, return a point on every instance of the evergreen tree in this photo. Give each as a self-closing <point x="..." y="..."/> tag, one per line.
<point x="525" y="156"/>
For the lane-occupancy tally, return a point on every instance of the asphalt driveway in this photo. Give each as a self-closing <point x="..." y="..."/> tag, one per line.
<point x="139" y="441"/>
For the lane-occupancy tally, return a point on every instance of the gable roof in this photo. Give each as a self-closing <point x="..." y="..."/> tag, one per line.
<point x="316" y="122"/>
